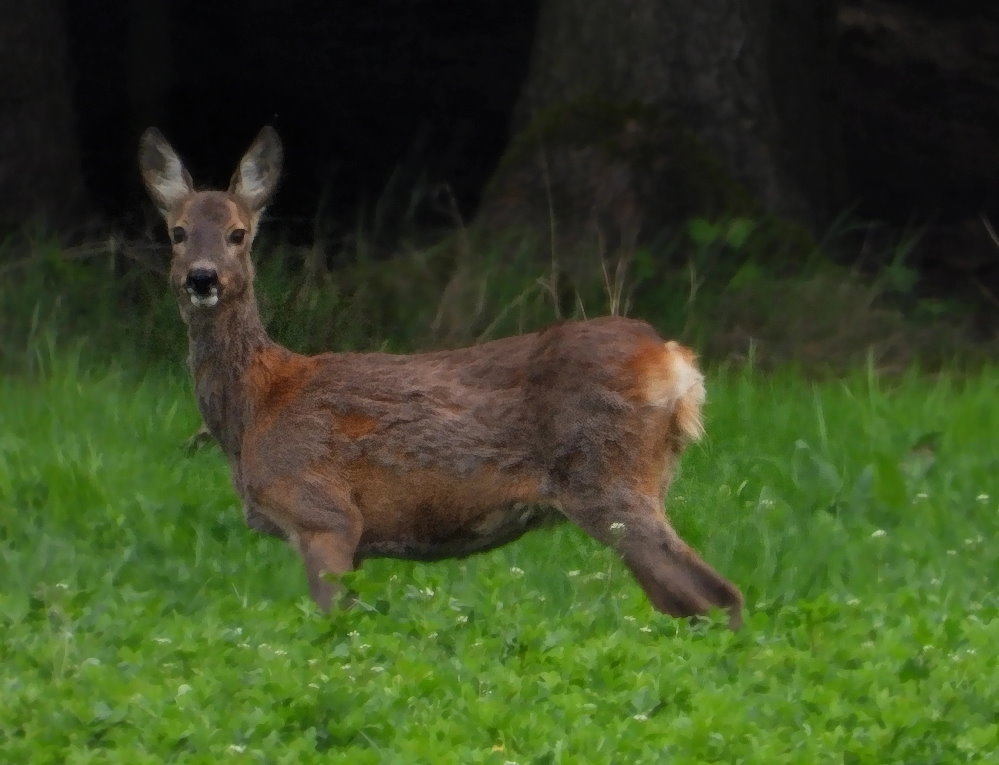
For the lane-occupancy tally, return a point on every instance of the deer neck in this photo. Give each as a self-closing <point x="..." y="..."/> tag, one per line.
<point x="223" y="347"/>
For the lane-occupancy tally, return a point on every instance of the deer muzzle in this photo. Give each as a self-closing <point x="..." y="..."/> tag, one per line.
<point x="202" y="285"/>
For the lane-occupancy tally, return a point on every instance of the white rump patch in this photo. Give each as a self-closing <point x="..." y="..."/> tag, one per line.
<point x="687" y="393"/>
<point x="686" y="377"/>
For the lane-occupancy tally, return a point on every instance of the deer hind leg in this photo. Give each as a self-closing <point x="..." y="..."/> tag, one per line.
<point x="675" y="578"/>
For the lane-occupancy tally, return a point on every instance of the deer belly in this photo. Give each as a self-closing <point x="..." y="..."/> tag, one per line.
<point x="434" y="534"/>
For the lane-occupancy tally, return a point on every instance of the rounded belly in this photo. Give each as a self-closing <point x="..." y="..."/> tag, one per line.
<point x="435" y="535"/>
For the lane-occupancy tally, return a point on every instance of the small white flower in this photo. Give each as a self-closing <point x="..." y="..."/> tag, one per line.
<point x="878" y="534"/>
<point x="236" y="748"/>
<point x="463" y="618"/>
<point x="280" y="652"/>
<point x="617" y="526"/>
<point x="640" y="717"/>
<point x="629" y="618"/>
<point x="645" y="629"/>
<point x="517" y="571"/>
<point x="353" y="633"/>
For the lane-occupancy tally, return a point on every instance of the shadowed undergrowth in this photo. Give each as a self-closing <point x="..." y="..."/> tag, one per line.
<point x="709" y="283"/>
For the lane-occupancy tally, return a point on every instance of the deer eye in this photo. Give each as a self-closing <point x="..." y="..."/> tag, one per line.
<point x="237" y="236"/>
<point x="177" y="234"/>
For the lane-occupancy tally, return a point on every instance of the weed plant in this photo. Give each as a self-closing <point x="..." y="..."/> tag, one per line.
<point x="705" y="283"/>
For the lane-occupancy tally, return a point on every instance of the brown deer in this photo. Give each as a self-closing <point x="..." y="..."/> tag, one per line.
<point x="432" y="455"/>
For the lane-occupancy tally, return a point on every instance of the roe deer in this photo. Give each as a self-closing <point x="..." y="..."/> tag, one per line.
<point x="433" y="455"/>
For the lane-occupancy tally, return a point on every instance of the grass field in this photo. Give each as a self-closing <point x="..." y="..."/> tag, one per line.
<point x="142" y="622"/>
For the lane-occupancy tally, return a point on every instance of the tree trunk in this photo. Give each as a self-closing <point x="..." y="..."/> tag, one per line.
<point x="150" y="62"/>
<point x="40" y="176"/>
<point x="748" y="84"/>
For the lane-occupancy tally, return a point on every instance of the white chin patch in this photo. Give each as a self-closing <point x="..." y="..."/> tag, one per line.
<point x="206" y="301"/>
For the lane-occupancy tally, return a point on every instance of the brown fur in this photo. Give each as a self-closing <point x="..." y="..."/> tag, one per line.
<point x="437" y="454"/>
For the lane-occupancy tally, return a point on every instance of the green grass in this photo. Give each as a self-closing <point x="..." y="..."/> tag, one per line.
<point x="141" y="622"/>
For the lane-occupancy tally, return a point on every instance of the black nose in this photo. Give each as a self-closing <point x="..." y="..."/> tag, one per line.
<point x="201" y="280"/>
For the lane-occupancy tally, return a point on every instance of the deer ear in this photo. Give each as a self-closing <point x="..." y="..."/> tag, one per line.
<point x="165" y="177"/>
<point x="257" y="175"/>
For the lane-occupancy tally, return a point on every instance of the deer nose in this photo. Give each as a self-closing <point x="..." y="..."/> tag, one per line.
<point x="201" y="281"/>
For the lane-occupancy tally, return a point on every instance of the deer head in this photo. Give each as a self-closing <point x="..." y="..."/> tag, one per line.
<point x="211" y="232"/>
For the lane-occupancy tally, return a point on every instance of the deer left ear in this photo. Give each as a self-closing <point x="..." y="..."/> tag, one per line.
<point x="257" y="175"/>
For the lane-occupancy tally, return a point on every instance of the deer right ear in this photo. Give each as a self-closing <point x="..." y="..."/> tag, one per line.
<point x="165" y="177"/>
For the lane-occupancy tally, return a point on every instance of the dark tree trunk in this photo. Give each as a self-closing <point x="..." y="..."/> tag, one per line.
<point x="920" y="87"/>
<point x="150" y="63"/>
<point x="751" y="80"/>
<point x="40" y="176"/>
<point x="921" y="107"/>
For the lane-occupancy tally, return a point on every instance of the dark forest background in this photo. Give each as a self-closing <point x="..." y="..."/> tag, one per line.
<point x="860" y="129"/>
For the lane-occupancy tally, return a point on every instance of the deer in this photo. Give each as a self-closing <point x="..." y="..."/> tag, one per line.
<point x="432" y="455"/>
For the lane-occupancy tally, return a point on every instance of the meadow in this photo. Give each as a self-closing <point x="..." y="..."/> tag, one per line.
<point x="142" y="622"/>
